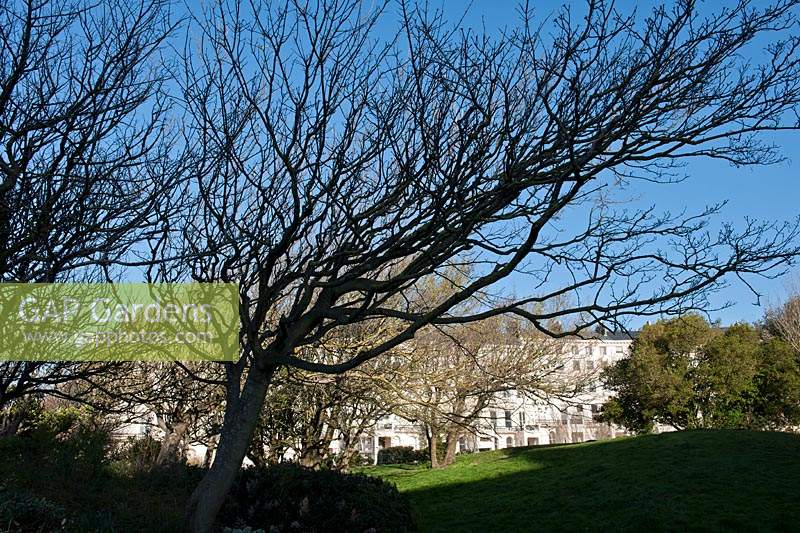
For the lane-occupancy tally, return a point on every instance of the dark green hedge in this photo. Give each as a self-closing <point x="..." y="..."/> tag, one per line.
<point x="21" y="511"/>
<point x="395" y="455"/>
<point x="288" y="497"/>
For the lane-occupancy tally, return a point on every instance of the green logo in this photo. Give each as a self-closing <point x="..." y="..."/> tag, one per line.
<point x="119" y="322"/>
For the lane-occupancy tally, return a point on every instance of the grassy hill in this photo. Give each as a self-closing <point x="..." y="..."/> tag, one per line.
<point x="698" y="480"/>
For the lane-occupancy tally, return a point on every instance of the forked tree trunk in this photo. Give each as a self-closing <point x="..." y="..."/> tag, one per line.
<point x="345" y="458"/>
<point x="241" y="416"/>
<point x="170" y="451"/>
<point x="316" y="446"/>
<point x="311" y="458"/>
<point x="348" y="451"/>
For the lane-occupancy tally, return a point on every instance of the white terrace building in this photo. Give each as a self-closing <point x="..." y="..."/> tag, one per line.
<point x="518" y="420"/>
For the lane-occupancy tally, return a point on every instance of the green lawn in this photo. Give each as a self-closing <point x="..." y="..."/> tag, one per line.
<point x="698" y="480"/>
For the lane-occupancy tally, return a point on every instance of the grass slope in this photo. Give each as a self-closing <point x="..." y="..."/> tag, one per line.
<point x="694" y="480"/>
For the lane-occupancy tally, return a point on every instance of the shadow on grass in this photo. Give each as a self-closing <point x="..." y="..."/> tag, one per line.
<point x="699" y="480"/>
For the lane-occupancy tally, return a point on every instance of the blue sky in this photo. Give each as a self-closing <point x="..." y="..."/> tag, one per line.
<point x="765" y="192"/>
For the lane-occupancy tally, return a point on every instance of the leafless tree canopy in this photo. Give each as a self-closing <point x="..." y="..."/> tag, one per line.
<point x="336" y="168"/>
<point x="82" y="176"/>
<point x="85" y="179"/>
<point x="784" y="320"/>
<point x="449" y="375"/>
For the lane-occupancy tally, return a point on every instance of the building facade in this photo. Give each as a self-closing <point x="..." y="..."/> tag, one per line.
<point x="513" y="419"/>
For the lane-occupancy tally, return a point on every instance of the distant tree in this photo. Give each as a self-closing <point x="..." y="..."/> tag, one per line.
<point x="306" y="412"/>
<point x="784" y="320"/>
<point x="778" y="386"/>
<point x="182" y="401"/>
<point x="686" y="374"/>
<point x="447" y="377"/>
<point x="652" y="384"/>
<point x="337" y="162"/>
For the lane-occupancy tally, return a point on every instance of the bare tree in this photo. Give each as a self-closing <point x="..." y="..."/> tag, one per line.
<point x="446" y="378"/>
<point x="183" y="402"/>
<point x="306" y="413"/>
<point x="784" y="320"/>
<point x="85" y="177"/>
<point x="336" y="168"/>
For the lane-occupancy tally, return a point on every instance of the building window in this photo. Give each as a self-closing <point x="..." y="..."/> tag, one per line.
<point x="509" y="442"/>
<point x="522" y="418"/>
<point x="576" y="365"/>
<point x="533" y="441"/>
<point x="384" y="442"/>
<point x="603" y="350"/>
<point x="493" y="416"/>
<point x="590" y="365"/>
<point x="508" y="419"/>
<point x="588" y="350"/>
<point x="575" y="350"/>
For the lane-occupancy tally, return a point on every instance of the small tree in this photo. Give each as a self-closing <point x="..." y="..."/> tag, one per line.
<point x="307" y="413"/>
<point x="182" y="400"/>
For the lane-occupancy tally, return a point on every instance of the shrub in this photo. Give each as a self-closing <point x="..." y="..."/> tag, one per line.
<point x="20" y="511"/>
<point x="288" y="497"/>
<point x="67" y="438"/>
<point x="136" y="454"/>
<point x="360" y="459"/>
<point x="401" y="455"/>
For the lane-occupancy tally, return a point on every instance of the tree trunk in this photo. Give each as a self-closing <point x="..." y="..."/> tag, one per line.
<point x="349" y="450"/>
<point x="212" y="446"/>
<point x="241" y="416"/>
<point x="170" y="446"/>
<point x="433" y="447"/>
<point x="451" y="443"/>
<point x="311" y="457"/>
<point x="345" y="459"/>
<point x="9" y="424"/>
